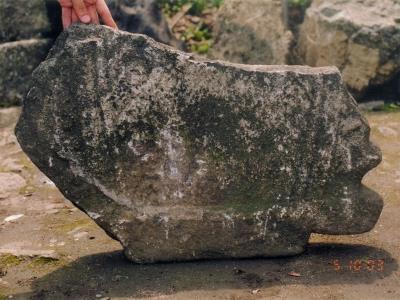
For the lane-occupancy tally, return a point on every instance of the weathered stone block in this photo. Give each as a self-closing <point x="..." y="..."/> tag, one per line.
<point x="22" y="19"/>
<point x="181" y="159"/>
<point x="26" y="30"/>
<point x="361" y="38"/>
<point x="251" y="32"/>
<point x="17" y="61"/>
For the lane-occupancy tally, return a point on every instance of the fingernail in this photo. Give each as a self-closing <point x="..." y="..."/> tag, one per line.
<point x="85" y="19"/>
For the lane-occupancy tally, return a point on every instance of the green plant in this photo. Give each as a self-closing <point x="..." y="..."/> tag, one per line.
<point x="171" y="7"/>
<point x="301" y="3"/>
<point x="197" y="33"/>
<point x="198" y="6"/>
<point x="217" y="3"/>
<point x="201" y="48"/>
<point x="391" y="107"/>
<point x="198" y="37"/>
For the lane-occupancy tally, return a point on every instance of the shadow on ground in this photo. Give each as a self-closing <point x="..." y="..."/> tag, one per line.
<point x="110" y="274"/>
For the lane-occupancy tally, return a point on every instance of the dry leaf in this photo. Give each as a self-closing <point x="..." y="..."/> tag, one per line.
<point x="294" y="274"/>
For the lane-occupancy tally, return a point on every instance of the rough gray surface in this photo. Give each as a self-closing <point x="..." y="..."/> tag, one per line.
<point x="361" y="38"/>
<point x="142" y="16"/>
<point x="17" y="61"/>
<point x="26" y="30"/>
<point x="181" y="159"/>
<point x="251" y="32"/>
<point x="22" y="19"/>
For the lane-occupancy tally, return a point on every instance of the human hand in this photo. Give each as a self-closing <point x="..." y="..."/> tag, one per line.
<point x="85" y="11"/>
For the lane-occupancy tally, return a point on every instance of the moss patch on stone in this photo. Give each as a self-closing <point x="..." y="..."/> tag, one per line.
<point x="43" y="261"/>
<point x="81" y="223"/>
<point x="9" y="260"/>
<point x="2" y="296"/>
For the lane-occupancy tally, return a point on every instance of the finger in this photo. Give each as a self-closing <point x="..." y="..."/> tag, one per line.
<point x="74" y="17"/>
<point x="65" y="3"/>
<point x="90" y="2"/>
<point x="81" y="11"/>
<point x="105" y="14"/>
<point x="66" y="17"/>
<point x="93" y="14"/>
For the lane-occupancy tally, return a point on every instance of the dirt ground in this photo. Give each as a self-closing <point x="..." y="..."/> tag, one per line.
<point x="50" y="250"/>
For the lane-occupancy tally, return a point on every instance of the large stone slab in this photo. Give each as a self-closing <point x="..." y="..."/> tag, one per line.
<point x="251" y="32"/>
<point x="17" y="61"/>
<point x="181" y="159"/>
<point x="361" y="38"/>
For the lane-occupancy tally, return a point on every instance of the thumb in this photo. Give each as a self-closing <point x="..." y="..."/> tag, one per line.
<point x="81" y="11"/>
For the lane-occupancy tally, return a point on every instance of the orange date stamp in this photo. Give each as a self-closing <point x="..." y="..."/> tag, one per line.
<point x="359" y="265"/>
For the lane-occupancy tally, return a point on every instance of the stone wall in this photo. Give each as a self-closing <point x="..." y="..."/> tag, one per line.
<point x="26" y="33"/>
<point x="251" y="32"/>
<point x="361" y="38"/>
